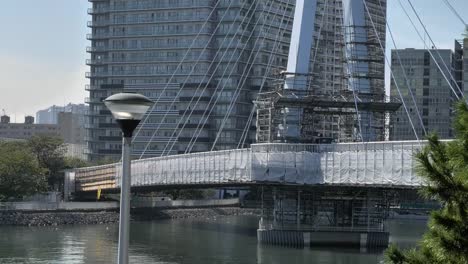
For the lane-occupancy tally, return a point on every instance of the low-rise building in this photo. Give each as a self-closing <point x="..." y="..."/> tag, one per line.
<point x="27" y="129"/>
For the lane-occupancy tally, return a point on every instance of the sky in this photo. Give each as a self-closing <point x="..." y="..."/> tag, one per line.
<point x="43" y="47"/>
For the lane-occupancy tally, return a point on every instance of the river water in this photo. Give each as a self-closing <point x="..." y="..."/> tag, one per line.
<point x="195" y="241"/>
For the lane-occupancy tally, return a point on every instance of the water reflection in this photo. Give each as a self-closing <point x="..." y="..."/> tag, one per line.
<point x="223" y="240"/>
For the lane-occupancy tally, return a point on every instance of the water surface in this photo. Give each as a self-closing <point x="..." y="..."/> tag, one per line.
<point x="195" y="241"/>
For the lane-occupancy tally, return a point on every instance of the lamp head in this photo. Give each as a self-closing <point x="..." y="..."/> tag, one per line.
<point x="128" y="109"/>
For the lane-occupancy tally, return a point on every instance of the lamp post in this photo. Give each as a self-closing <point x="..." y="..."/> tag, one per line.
<point x="128" y="110"/>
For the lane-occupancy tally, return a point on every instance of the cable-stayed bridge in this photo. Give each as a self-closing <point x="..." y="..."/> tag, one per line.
<point x="334" y="80"/>
<point x="373" y="164"/>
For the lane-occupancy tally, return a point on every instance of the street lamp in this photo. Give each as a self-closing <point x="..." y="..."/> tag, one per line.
<point x="128" y="110"/>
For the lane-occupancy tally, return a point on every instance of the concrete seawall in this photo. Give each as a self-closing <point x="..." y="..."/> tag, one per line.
<point x="141" y="202"/>
<point x="69" y="213"/>
<point x="105" y="206"/>
<point x="60" y="206"/>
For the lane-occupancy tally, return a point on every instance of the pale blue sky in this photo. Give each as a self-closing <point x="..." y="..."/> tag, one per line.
<point x="42" y="52"/>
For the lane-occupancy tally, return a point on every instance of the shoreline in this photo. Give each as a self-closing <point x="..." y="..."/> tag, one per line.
<point x="79" y="217"/>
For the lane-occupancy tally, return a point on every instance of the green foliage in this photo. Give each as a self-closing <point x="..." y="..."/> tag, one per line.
<point x="444" y="166"/>
<point x="104" y="161"/>
<point x="50" y="153"/>
<point x="20" y="173"/>
<point x="72" y="163"/>
<point x="30" y="167"/>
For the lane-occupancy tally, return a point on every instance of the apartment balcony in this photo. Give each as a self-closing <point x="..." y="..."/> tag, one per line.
<point x="97" y="74"/>
<point x="142" y="34"/>
<point x="95" y="61"/>
<point x="134" y="6"/>
<point x="89" y="87"/>
<point x="196" y="58"/>
<point x="199" y="139"/>
<point x="98" y="36"/>
<point x="93" y="100"/>
<point x="155" y="139"/>
<point x="98" y="23"/>
<point x="196" y="98"/>
<point x="179" y="18"/>
<point x="96" y="49"/>
<point x="110" y="138"/>
<point x="95" y="11"/>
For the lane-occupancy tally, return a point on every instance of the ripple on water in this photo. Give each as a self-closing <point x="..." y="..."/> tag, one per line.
<point x="227" y="240"/>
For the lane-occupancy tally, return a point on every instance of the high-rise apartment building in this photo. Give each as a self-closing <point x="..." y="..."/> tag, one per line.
<point x="178" y="50"/>
<point x="193" y="55"/>
<point x="462" y="67"/>
<point x="434" y="97"/>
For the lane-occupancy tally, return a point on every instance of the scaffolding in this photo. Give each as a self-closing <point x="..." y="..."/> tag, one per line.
<point x="274" y="106"/>
<point x="326" y="209"/>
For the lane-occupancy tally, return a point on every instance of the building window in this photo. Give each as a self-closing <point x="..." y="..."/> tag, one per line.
<point x="426" y="92"/>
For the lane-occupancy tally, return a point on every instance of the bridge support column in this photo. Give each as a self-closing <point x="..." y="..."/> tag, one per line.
<point x="302" y="218"/>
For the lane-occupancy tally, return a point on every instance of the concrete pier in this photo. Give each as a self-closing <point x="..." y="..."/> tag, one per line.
<point x="296" y="238"/>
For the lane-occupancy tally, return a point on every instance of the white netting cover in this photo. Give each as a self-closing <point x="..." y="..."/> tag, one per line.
<point x="380" y="163"/>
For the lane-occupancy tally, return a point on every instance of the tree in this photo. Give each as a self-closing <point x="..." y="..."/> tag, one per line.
<point x="50" y="153"/>
<point x="444" y="166"/>
<point x="20" y="173"/>
<point x="73" y="163"/>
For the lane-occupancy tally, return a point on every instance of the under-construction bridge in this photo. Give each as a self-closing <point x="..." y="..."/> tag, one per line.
<point x="342" y="191"/>
<point x="373" y="164"/>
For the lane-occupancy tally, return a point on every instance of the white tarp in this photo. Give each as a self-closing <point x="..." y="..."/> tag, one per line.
<point x="385" y="163"/>
<point x="198" y="168"/>
<point x="379" y="163"/>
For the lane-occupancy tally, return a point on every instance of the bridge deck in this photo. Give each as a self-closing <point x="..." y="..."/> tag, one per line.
<point x="382" y="164"/>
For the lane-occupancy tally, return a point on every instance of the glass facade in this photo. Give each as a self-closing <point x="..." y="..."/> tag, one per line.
<point x="433" y="95"/>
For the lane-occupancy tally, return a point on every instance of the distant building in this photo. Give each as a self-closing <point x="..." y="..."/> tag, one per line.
<point x="69" y="118"/>
<point x="27" y="129"/>
<point x="433" y="95"/>
<point x="68" y="129"/>
<point x="71" y="127"/>
<point x="50" y="115"/>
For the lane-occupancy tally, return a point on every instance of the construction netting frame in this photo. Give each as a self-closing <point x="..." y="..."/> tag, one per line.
<point x="373" y="163"/>
<point x="386" y="164"/>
